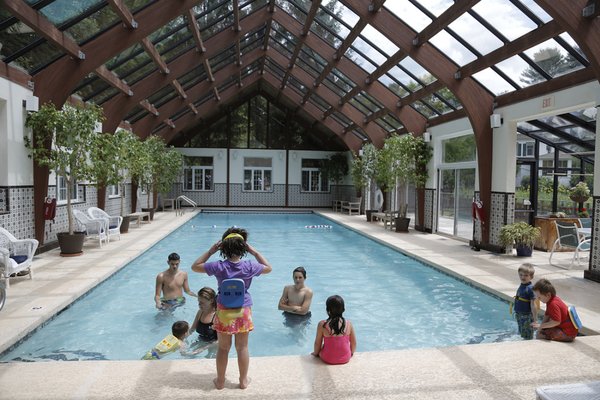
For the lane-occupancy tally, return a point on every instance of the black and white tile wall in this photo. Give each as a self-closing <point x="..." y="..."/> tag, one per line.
<point x="502" y="212"/>
<point x="239" y="198"/>
<point x="430" y="210"/>
<point x="19" y="218"/>
<point x="595" y="251"/>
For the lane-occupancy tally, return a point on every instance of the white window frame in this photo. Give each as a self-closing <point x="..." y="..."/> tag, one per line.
<point x="313" y="174"/>
<point x="113" y="191"/>
<point x="525" y="149"/>
<point x="61" y="190"/>
<point x="202" y="171"/>
<point x="258" y="181"/>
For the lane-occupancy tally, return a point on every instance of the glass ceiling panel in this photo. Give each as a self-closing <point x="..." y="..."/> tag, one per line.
<point x="409" y="14"/>
<point x="333" y="38"/>
<point x="516" y="68"/>
<point x="478" y="36"/>
<point x="553" y="59"/>
<point x="449" y="97"/>
<point x="369" y="101"/>
<point x="139" y="73"/>
<point x="493" y="82"/>
<point x="213" y="18"/>
<point x="340" y="80"/>
<point x="251" y="6"/>
<point x="294" y="8"/>
<point x="360" y="106"/>
<point x="15" y="38"/>
<point x="92" y="25"/>
<point x="319" y="102"/>
<point x="405" y="79"/>
<point x="567" y="38"/>
<point x="587" y="115"/>
<point x="135" y="114"/>
<point x="505" y="17"/>
<point x="436" y="7"/>
<point x="379" y="41"/>
<point x="135" y="5"/>
<point x="308" y="63"/>
<point x="533" y="7"/>
<point x="337" y="17"/>
<point x="341" y="118"/>
<point x="90" y="86"/>
<point x="393" y="85"/>
<point x="437" y="104"/>
<point x="415" y="70"/>
<point x="452" y="48"/>
<point x="423" y="109"/>
<point x="193" y="77"/>
<point x="105" y="95"/>
<point x="392" y="121"/>
<point x="60" y="11"/>
<point x="358" y="57"/>
<point x="296" y="85"/>
<point x="39" y="57"/>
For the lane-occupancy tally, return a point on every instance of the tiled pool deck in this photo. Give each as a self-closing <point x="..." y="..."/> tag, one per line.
<point x="486" y="371"/>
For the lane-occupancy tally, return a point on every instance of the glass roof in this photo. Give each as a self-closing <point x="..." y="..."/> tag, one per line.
<point x="297" y="45"/>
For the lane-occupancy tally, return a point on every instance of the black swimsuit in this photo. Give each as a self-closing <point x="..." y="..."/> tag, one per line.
<point x="205" y="331"/>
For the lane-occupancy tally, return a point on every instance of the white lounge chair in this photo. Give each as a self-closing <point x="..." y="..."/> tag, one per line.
<point x="93" y="228"/>
<point x="570" y="238"/>
<point x="16" y="255"/>
<point x="114" y="222"/>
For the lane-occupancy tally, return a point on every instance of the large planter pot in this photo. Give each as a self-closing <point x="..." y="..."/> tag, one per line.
<point x="151" y="211"/>
<point x="402" y="224"/>
<point x="523" y="250"/>
<point x="125" y="224"/>
<point x="70" y="245"/>
<point x="369" y="213"/>
<point x="579" y="199"/>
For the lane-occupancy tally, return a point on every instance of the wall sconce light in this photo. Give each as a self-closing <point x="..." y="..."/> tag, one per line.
<point x="496" y="120"/>
<point x="31" y="103"/>
<point x="295" y="155"/>
<point x="220" y="154"/>
<point x="280" y="155"/>
<point x="235" y="154"/>
<point x="427" y="136"/>
<point x="360" y="152"/>
<point x="98" y="127"/>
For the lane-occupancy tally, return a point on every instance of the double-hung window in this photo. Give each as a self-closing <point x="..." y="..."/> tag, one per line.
<point x="198" y="173"/>
<point x="313" y="179"/>
<point x="257" y="174"/>
<point x="61" y="190"/>
<point x="113" y="191"/>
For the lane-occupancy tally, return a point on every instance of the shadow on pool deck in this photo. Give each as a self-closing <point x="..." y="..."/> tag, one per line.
<point x="487" y="371"/>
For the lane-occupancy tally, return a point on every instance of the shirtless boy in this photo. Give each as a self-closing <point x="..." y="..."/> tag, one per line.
<point x="172" y="282"/>
<point x="296" y="298"/>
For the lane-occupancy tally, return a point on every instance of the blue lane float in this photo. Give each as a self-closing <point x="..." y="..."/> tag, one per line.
<point x="318" y="226"/>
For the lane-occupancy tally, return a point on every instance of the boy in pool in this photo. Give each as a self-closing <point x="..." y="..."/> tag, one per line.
<point x="296" y="298"/>
<point x="171" y="343"/>
<point x="171" y="282"/>
<point x="525" y="305"/>
<point x="556" y="324"/>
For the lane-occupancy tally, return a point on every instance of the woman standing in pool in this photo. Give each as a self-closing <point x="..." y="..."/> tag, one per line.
<point x="233" y="321"/>
<point x="335" y="341"/>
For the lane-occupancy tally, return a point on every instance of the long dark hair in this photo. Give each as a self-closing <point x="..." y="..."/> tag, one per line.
<point x="335" y="309"/>
<point x="234" y="246"/>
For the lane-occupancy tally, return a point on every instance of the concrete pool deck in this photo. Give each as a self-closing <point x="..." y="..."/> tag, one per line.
<point x="510" y="370"/>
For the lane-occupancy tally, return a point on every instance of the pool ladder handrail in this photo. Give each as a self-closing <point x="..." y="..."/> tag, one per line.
<point x="178" y="200"/>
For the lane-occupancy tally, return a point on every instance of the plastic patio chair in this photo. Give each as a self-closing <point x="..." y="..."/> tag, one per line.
<point x="114" y="222"/>
<point x="568" y="237"/>
<point x="16" y="255"/>
<point x="93" y="227"/>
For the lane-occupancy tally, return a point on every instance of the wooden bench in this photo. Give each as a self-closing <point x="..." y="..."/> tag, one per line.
<point x="351" y="206"/>
<point x="387" y="217"/>
<point x="139" y="217"/>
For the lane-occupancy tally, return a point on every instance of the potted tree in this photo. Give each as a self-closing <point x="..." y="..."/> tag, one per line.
<point x="170" y="170"/>
<point x="113" y="158"/>
<point x="61" y="141"/>
<point x="335" y="168"/>
<point x="362" y="170"/>
<point x="520" y="234"/>
<point x="402" y="161"/>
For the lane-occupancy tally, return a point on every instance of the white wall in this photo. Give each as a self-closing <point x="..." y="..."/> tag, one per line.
<point x="16" y="168"/>
<point x="219" y="160"/>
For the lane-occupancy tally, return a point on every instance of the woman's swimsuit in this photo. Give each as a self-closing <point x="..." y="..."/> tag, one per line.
<point x="205" y="331"/>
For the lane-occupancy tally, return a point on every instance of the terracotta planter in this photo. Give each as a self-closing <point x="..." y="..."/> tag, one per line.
<point x="70" y="245"/>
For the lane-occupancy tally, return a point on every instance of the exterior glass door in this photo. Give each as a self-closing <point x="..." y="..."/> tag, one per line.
<point x="457" y="187"/>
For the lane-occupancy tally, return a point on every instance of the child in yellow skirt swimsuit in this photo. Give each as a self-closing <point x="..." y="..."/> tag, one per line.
<point x="233" y="321"/>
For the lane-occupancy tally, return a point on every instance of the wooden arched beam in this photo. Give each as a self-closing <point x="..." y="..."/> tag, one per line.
<point x="585" y="31"/>
<point x="56" y="82"/>
<point x="117" y="108"/>
<point x="477" y="101"/>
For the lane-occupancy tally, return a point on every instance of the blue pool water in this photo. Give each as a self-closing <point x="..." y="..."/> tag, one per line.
<point x="394" y="301"/>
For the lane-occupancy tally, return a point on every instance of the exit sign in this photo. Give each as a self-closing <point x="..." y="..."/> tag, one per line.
<point x="548" y="102"/>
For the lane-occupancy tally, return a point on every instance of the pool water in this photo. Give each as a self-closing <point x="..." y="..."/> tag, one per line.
<point x="393" y="301"/>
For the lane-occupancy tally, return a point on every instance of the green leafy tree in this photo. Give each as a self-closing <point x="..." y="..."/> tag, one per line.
<point x="551" y="60"/>
<point x="62" y="142"/>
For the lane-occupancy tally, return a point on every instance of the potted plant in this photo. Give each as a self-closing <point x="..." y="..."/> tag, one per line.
<point x="335" y="168"/>
<point x="402" y="161"/>
<point x="580" y="193"/>
<point x="520" y="234"/>
<point x="170" y="170"/>
<point x="61" y="141"/>
<point x="362" y="170"/>
<point x="112" y="159"/>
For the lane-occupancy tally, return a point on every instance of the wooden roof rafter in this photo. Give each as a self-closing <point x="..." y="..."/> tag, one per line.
<point x="208" y="69"/>
<point x="236" y="17"/>
<point x="149" y="107"/>
<point x="43" y="27"/>
<point x="153" y="53"/>
<point x="314" y="7"/>
<point x="123" y="13"/>
<point x="112" y="79"/>
<point x="271" y="9"/>
<point x="179" y="89"/>
<point x="446" y="18"/>
<point x="193" y="27"/>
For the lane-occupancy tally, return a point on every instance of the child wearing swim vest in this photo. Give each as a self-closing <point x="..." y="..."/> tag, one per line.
<point x="335" y="342"/>
<point x="525" y="306"/>
<point x="229" y="322"/>
<point x="171" y="343"/>
<point x="557" y="324"/>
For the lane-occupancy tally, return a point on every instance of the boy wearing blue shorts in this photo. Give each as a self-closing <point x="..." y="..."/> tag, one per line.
<point x="525" y="306"/>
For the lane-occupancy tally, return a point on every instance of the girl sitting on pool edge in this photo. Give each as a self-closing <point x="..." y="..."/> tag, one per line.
<point x="335" y="342"/>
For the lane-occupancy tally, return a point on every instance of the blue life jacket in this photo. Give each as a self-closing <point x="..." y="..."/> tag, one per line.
<point x="231" y="293"/>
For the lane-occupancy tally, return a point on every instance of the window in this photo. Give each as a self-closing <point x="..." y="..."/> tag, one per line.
<point x="61" y="190"/>
<point x="312" y="178"/>
<point x="459" y="149"/>
<point x="198" y="174"/>
<point x="525" y="149"/>
<point x="113" y="191"/>
<point x="257" y="174"/>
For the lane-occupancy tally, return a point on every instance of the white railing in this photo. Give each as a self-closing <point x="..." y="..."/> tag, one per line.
<point x="179" y="200"/>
